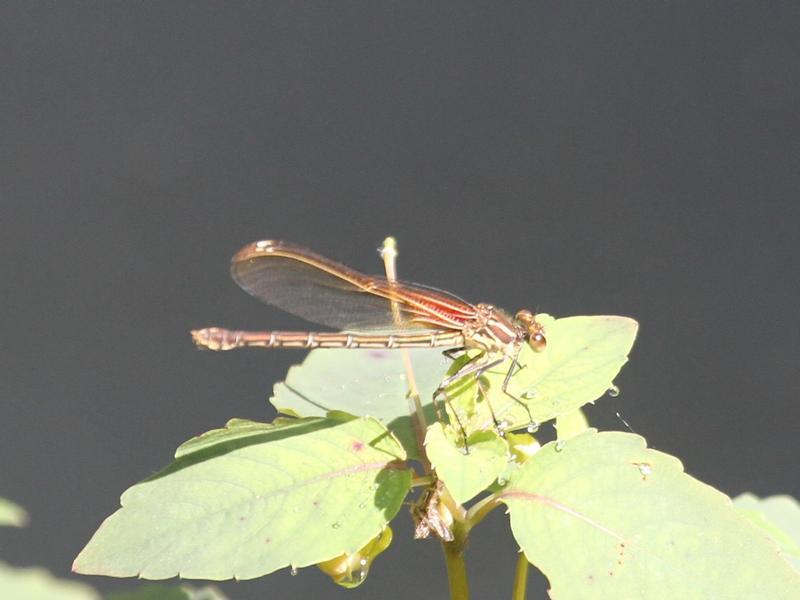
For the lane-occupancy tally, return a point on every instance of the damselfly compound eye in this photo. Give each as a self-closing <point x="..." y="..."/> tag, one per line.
<point x="537" y="342"/>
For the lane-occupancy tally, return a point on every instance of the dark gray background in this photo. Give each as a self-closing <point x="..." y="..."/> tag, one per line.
<point x="637" y="159"/>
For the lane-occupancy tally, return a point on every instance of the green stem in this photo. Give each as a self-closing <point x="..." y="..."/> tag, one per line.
<point x="520" y="578"/>
<point x="479" y="510"/>
<point x="463" y="523"/>
<point x="454" y="550"/>
<point x="456" y="570"/>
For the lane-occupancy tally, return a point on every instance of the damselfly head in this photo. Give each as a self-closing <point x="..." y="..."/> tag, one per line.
<point x="534" y="330"/>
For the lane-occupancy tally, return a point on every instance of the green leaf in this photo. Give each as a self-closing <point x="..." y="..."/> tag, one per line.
<point x="245" y="501"/>
<point x="12" y="514"/>
<point x="236" y="430"/>
<point x="466" y="475"/>
<point x="582" y="357"/>
<point x="571" y="424"/>
<point x="37" y="584"/>
<point x="363" y="382"/>
<point x="602" y="516"/>
<point x="778" y="517"/>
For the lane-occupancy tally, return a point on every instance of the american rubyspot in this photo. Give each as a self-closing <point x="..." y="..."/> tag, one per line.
<point x="371" y="312"/>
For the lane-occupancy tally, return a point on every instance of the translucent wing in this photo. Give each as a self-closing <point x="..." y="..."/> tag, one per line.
<point x="322" y="291"/>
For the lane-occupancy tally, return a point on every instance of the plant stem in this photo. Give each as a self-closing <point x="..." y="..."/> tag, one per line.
<point x="454" y="550"/>
<point x="520" y="578"/>
<point x="480" y="509"/>
<point x="389" y="256"/>
<point x="463" y="523"/>
<point x="456" y="569"/>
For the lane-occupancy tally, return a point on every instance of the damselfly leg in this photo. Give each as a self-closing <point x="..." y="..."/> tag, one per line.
<point x="475" y="368"/>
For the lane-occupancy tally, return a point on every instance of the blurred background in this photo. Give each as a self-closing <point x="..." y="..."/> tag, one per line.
<point x="641" y="159"/>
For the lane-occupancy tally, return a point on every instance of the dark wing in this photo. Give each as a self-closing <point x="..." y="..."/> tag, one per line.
<point x="323" y="291"/>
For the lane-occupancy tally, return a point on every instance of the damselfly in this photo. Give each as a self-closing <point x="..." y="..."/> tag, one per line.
<point x="371" y="312"/>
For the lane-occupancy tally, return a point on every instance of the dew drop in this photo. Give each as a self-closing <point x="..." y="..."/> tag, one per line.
<point x="501" y="481"/>
<point x="293" y="572"/>
<point x="533" y="427"/>
<point x="560" y="445"/>
<point x="527" y="395"/>
<point x="336" y="524"/>
<point x="362" y="505"/>
<point x="613" y="391"/>
<point x="363" y="562"/>
<point x="644" y="468"/>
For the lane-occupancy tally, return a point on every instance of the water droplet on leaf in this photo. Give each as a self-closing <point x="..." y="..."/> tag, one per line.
<point x="613" y="391"/>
